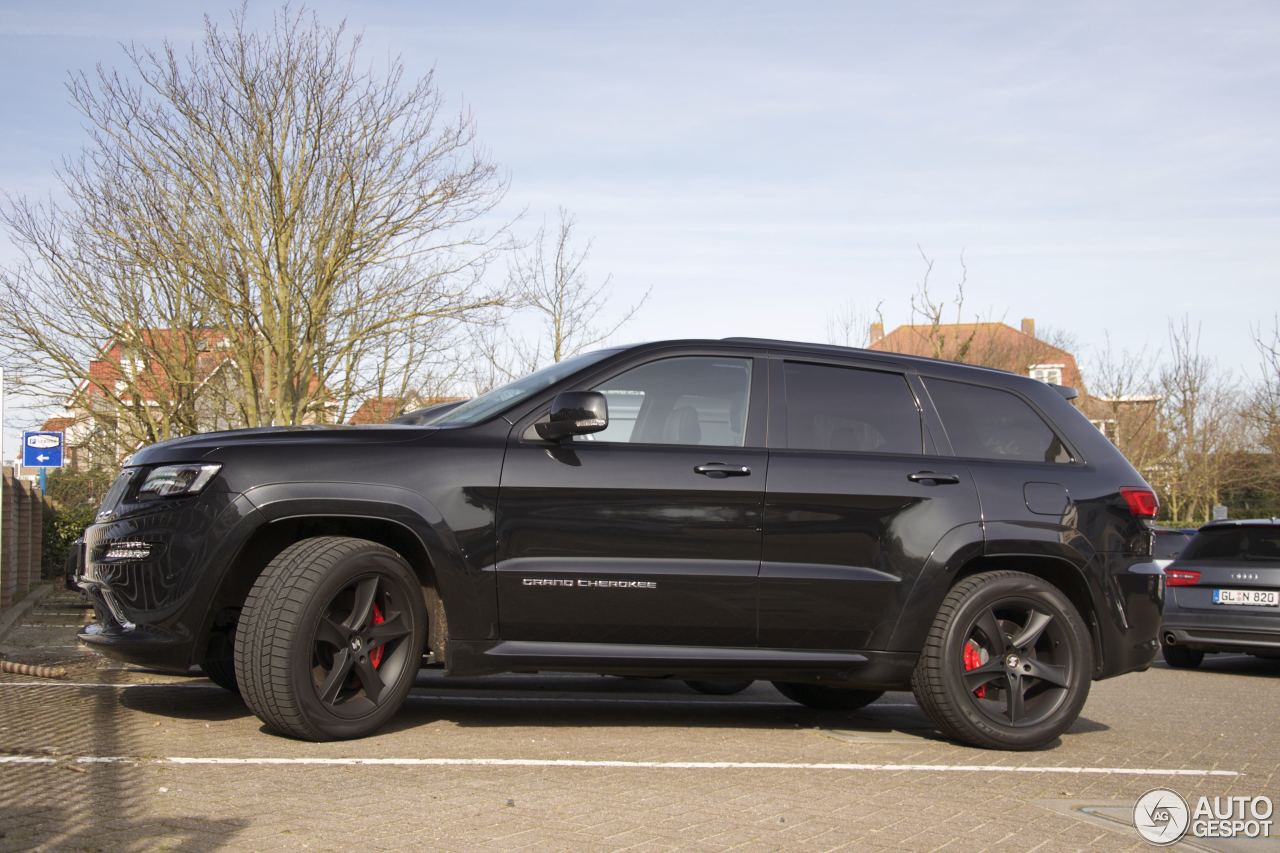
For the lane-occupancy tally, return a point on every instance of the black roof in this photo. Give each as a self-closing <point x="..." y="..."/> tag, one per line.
<point x="887" y="357"/>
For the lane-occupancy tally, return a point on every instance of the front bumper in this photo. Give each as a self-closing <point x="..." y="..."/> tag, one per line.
<point x="152" y="608"/>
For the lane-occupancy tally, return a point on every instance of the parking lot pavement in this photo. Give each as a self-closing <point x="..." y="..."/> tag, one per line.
<point x="113" y="758"/>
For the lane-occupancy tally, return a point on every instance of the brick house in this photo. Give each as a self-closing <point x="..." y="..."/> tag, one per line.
<point x="159" y="372"/>
<point x="380" y="410"/>
<point x="1129" y="422"/>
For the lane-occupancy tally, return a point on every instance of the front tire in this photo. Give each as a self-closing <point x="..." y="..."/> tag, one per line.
<point x="1007" y="663"/>
<point x="330" y="638"/>
<point x="827" y="698"/>
<point x="1181" y="657"/>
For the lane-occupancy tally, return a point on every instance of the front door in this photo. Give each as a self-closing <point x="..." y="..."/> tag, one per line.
<point x="856" y="501"/>
<point x="650" y="531"/>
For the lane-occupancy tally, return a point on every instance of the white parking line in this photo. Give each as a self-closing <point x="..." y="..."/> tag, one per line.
<point x="616" y="764"/>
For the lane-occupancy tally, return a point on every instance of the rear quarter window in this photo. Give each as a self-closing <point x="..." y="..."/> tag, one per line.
<point x="988" y="423"/>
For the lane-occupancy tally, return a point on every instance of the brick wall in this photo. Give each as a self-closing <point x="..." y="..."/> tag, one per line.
<point x="22" y="534"/>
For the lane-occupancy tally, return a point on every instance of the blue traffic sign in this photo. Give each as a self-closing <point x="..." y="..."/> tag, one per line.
<point x="42" y="449"/>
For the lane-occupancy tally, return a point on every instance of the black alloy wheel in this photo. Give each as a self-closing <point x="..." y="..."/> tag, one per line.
<point x="1017" y="663"/>
<point x="1007" y="663"/>
<point x="358" y="646"/>
<point x="330" y="638"/>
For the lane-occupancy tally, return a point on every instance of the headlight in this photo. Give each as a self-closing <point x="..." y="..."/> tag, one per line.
<point x="171" y="480"/>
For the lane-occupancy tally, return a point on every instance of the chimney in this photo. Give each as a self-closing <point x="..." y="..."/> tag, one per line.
<point x="877" y="332"/>
<point x="1029" y="326"/>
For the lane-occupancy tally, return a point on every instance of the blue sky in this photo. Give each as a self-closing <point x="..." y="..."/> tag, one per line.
<point x="1102" y="166"/>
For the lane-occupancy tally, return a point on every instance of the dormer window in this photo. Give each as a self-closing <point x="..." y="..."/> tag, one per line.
<point x="1051" y="373"/>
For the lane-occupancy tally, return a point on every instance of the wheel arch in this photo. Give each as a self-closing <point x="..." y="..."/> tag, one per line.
<point x="274" y="535"/>
<point x="1058" y="571"/>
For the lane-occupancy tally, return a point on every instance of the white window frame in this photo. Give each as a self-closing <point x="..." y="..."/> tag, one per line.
<point x="1050" y="374"/>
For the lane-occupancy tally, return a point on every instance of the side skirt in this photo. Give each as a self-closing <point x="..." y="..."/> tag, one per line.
<point x="872" y="669"/>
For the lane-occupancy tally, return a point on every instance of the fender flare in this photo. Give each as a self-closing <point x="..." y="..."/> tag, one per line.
<point x="470" y="594"/>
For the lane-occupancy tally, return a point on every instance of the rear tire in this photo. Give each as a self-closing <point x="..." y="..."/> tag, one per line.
<point x="719" y="688"/>
<point x="827" y="698"/>
<point x="220" y="663"/>
<point x="330" y="638"/>
<point x="1181" y="657"/>
<point x="1007" y="663"/>
<point x="222" y="673"/>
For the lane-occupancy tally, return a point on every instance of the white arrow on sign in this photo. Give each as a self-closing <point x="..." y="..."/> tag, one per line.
<point x="42" y="458"/>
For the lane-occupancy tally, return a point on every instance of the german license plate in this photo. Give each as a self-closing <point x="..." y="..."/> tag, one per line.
<point x="1249" y="597"/>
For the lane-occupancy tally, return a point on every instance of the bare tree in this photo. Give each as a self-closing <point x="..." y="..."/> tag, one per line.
<point x="549" y="285"/>
<point x="1264" y="410"/>
<point x="1125" y="390"/>
<point x="1204" y="419"/>
<point x="850" y="326"/>
<point x="310" y="227"/>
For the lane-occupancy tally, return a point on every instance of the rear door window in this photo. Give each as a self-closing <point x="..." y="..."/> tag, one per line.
<point x="852" y="410"/>
<point x="988" y="423"/>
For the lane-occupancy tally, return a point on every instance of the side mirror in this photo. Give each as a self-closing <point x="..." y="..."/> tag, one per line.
<point x="575" y="413"/>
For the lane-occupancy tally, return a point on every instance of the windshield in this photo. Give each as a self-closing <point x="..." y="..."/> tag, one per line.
<point x="1235" y="543"/>
<point x="499" y="399"/>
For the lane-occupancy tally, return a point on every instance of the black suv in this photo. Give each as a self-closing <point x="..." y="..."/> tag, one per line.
<point x="840" y="522"/>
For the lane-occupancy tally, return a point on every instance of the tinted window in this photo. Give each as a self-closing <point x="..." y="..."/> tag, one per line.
<point x="689" y="400"/>
<point x="1168" y="544"/>
<point x="1235" y="543"/>
<point x="842" y="408"/>
<point x="988" y="423"/>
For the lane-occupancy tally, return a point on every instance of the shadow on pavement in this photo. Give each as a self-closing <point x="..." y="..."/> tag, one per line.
<point x="66" y="805"/>
<point x="1232" y="664"/>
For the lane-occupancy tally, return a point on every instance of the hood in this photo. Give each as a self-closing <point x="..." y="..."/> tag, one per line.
<point x="193" y="448"/>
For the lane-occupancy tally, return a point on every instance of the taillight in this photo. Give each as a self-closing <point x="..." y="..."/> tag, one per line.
<point x="1142" y="502"/>
<point x="1181" y="577"/>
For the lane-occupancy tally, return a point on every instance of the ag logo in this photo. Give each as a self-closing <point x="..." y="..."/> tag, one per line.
<point x="1161" y="816"/>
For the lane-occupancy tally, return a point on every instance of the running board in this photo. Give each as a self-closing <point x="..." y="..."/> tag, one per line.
<point x="480" y="657"/>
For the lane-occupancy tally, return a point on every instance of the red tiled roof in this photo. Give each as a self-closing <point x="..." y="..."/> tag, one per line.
<point x="57" y="424"/>
<point x="379" y="410"/>
<point x="152" y="383"/>
<point x="989" y="344"/>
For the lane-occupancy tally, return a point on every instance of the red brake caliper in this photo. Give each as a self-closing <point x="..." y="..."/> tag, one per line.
<point x="972" y="660"/>
<point x="375" y="656"/>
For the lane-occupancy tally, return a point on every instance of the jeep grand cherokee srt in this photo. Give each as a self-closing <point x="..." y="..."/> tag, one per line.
<point x="840" y="522"/>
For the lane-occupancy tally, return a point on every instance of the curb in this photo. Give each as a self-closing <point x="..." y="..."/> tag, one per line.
<point x="15" y="612"/>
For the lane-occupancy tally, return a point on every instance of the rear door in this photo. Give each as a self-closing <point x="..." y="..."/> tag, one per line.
<point x="856" y="500"/>
<point x="648" y="532"/>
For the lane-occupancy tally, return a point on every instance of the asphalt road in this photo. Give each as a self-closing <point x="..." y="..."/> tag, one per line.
<point x="120" y="759"/>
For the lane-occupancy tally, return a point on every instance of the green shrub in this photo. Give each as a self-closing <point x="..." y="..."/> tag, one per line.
<point x="71" y="501"/>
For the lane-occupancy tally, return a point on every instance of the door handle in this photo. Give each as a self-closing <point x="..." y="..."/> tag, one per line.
<point x="933" y="477"/>
<point x="720" y="470"/>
